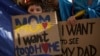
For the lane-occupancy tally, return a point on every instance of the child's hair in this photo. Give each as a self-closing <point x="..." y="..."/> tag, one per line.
<point x="33" y="2"/>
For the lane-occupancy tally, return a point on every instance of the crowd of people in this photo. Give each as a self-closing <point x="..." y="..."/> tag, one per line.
<point x="67" y="10"/>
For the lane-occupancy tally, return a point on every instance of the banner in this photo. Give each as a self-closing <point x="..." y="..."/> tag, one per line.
<point x="82" y="39"/>
<point x="36" y="34"/>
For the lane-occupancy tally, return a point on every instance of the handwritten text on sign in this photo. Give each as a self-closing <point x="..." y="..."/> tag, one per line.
<point x="42" y="47"/>
<point x="36" y="34"/>
<point x="81" y="39"/>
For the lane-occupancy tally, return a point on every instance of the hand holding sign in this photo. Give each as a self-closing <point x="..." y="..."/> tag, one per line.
<point x="72" y="20"/>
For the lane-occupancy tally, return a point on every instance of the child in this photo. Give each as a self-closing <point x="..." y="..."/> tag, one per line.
<point x="32" y="6"/>
<point x="35" y="6"/>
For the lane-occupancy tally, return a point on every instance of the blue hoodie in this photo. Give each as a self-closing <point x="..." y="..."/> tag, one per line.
<point x="65" y="6"/>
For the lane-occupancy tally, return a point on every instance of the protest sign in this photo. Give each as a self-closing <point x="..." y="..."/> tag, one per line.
<point x="82" y="39"/>
<point x="36" y="34"/>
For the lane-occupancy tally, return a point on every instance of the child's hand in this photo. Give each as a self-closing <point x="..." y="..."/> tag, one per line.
<point x="71" y="20"/>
